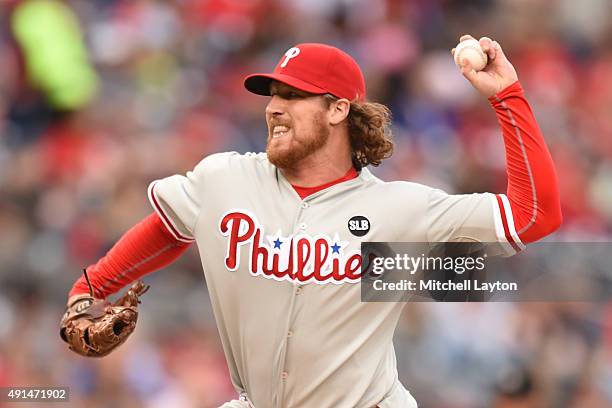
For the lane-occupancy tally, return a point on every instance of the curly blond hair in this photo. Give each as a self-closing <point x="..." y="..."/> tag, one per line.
<point x="369" y="126"/>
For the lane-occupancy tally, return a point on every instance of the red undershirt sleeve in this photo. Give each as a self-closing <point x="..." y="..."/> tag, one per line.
<point x="146" y="247"/>
<point x="531" y="208"/>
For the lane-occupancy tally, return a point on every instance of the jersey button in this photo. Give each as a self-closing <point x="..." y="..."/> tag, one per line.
<point x="284" y="375"/>
<point x="303" y="226"/>
<point x="305" y="205"/>
<point x="298" y="290"/>
<point x="289" y="333"/>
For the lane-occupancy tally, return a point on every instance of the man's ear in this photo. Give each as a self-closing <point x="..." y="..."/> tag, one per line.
<point x="338" y="111"/>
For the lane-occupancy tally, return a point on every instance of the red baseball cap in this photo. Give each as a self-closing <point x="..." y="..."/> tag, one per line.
<point x="314" y="68"/>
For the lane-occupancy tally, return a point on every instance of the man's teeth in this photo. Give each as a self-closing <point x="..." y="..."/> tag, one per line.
<point x="279" y="131"/>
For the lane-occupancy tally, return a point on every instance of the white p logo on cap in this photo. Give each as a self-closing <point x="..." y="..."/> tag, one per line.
<point x="291" y="53"/>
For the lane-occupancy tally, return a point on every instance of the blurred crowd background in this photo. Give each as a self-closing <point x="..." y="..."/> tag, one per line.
<point x="100" y="97"/>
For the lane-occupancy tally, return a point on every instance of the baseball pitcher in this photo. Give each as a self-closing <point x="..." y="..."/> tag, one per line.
<point x="279" y="234"/>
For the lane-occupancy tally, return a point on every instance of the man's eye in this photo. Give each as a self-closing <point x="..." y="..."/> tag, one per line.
<point x="287" y="95"/>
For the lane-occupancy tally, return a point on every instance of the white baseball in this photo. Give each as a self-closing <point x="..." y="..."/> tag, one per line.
<point x="471" y="51"/>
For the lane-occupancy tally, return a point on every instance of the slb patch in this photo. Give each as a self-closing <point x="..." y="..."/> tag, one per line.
<point x="359" y="225"/>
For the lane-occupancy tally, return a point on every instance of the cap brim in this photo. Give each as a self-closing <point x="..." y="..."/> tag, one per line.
<point x="260" y="84"/>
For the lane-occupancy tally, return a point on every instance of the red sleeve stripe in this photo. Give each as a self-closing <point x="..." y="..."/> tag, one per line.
<point x="507" y="226"/>
<point x="164" y="217"/>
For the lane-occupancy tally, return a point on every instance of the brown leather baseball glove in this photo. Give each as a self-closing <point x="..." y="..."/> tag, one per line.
<point x="95" y="327"/>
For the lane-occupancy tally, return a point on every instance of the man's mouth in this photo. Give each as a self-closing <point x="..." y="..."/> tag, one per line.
<point x="279" y="130"/>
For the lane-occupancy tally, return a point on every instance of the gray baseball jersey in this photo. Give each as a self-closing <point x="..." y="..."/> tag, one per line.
<point x="283" y="272"/>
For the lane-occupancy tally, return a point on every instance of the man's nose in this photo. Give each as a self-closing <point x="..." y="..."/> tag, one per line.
<point x="275" y="106"/>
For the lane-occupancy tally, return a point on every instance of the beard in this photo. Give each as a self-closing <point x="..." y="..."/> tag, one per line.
<point x="286" y="157"/>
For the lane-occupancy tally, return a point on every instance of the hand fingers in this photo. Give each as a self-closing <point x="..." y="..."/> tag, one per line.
<point x="488" y="46"/>
<point x="467" y="70"/>
<point x="498" y="50"/>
